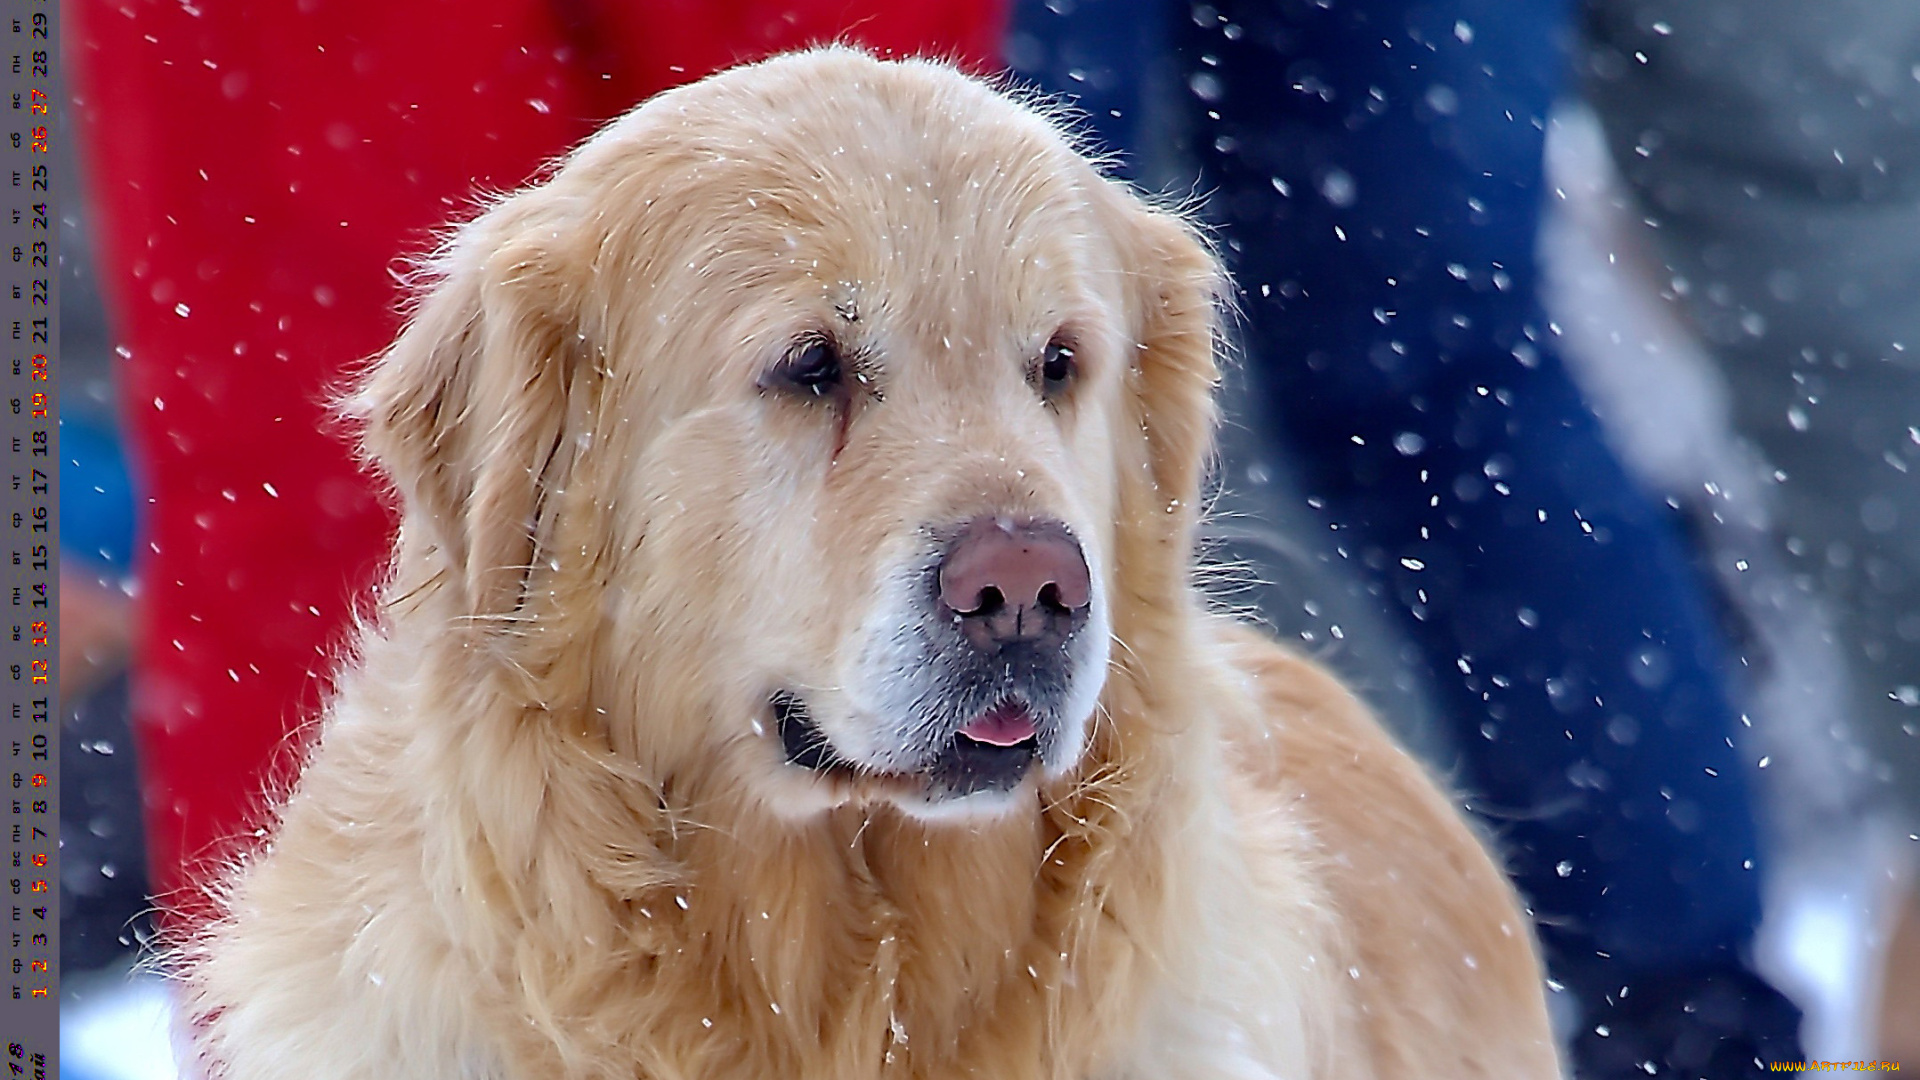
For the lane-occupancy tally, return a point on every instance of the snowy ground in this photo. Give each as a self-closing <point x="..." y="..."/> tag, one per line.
<point x="115" y="1027"/>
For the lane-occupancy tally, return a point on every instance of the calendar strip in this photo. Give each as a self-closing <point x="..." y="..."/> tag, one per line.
<point x="30" y="1023"/>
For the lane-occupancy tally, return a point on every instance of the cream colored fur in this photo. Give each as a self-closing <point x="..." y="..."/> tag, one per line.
<point x="546" y="832"/>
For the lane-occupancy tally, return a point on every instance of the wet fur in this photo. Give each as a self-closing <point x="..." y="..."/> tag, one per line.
<point x="539" y="835"/>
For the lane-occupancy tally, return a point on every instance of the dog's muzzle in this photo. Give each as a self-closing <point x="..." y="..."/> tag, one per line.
<point x="989" y="670"/>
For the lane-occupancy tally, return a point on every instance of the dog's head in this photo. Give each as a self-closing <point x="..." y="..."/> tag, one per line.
<point x="817" y="425"/>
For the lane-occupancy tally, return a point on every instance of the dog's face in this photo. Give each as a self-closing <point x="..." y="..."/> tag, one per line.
<point x="820" y="381"/>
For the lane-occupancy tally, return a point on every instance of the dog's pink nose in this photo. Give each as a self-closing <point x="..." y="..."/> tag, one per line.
<point x="1009" y="581"/>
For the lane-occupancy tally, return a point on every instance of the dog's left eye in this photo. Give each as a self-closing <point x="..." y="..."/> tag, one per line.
<point x="1056" y="368"/>
<point x="812" y="368"/>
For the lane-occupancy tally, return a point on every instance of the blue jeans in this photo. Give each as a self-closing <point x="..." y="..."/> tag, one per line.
<point x="1376" y="170"/>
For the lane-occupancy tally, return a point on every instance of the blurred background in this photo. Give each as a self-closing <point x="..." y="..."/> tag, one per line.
<point x="1572" y="414"/>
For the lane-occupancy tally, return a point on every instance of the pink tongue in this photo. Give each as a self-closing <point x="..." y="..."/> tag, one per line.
<point x="1005" y="725"/>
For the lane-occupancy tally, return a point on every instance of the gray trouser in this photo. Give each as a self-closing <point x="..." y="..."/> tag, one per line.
<point x="1774" y="145"/>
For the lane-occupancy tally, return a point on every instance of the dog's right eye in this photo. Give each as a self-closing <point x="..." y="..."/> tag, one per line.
<point x="812" y="368"/>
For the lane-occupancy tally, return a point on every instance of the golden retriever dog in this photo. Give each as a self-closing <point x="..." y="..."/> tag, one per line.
<point x="792" y="664"/>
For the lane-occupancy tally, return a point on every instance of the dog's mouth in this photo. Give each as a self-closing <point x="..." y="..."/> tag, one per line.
<point x="993" y="752"/>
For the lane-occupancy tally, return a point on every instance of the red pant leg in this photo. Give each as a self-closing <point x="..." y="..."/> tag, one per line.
<point x="257" y="169"/>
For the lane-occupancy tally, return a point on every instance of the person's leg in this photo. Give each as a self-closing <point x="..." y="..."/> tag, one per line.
<point x="1771" y="149"/>
<point x="1377" y="169"/>
<point x="249" y="271"/>
<point x="1771" y="145"/>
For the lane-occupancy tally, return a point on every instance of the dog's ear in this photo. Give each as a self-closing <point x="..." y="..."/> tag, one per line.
<point x="1177" y="289"/>
<point x="465" y="412"/>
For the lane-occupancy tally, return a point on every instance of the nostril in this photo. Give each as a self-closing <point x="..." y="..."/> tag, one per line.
<point x="1050" y="598"/>
<point x="985" y="602"/>
<point x="990" y="601"/>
